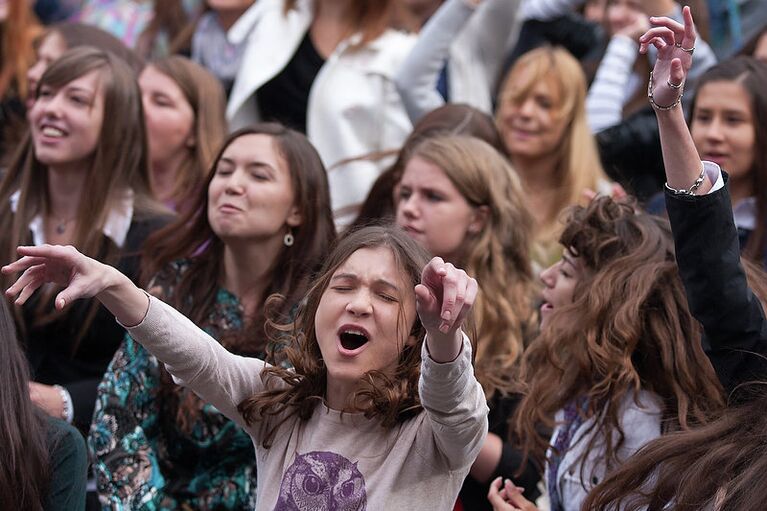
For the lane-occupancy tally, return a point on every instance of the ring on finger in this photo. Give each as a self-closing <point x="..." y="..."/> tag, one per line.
<point x="678" y="45"/>
<point x="687" y="50"/>
<point x="674" y="85"/>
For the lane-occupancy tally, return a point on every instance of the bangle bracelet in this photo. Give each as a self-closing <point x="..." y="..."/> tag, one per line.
<point x="655" y="105"/>
<point x="66" y="404"/>
<point x="690" y="190"/>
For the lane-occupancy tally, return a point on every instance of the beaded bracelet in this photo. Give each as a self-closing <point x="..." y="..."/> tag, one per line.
<point x="656" y="105"/>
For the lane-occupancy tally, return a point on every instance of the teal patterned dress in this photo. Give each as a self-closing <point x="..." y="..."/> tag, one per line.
<point x="143" y="458"/>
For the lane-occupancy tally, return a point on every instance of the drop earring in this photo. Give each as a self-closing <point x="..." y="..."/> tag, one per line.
<point x="288" y="240"/>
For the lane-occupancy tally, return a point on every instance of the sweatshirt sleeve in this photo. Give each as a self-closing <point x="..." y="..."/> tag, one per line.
<point x="604" y="103"/>
<point x="455" y="405"/>
<point x="416" y="79"/>
<point x="197" y="361"/>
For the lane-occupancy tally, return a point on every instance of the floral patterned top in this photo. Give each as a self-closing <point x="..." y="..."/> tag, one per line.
<point x="143" y="458"/>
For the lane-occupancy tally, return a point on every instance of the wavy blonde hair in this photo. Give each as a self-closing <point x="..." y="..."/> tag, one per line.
<point x="498" y="256"/>
<point x="578" y="164"/>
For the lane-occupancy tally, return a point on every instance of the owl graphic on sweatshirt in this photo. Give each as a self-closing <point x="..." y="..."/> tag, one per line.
<point x="322" y="481"/>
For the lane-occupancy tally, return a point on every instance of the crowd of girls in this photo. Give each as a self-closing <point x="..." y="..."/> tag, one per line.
<point x="500" y="327"/>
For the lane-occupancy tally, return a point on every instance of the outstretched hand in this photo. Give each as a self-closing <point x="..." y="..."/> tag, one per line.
<point x="81" y="276"/>
<point x="675" y="43"/>
<point x="443" y="300"/>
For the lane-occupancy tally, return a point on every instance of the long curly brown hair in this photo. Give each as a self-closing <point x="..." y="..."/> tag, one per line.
<point x="720" y="466"/>
<point x="628" y="328"/>
<point x="392" y="398"/>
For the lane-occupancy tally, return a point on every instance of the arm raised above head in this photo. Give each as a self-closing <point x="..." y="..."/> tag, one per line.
<point x="706" y="240"/>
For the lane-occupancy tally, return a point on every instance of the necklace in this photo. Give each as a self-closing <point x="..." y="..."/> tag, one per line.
<point x="61" y="226"/>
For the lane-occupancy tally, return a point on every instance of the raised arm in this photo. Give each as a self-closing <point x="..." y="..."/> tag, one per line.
<point x="706" y="240"/>
<point x="191" y="355"/>
<point x="416" y="79"/>
<point x="450" y="394"/>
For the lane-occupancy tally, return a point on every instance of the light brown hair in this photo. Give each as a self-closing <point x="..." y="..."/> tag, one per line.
<point x="296" y="392"/>
<point x="119" y="162"/>
<point x="497" y="256"/>
<point x="205" y="96"/>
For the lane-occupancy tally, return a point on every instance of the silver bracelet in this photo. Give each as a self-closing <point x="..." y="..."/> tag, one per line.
<point x="67" y="413"/>
<point x="655" y="105"/>
<point x="690" y="190"/>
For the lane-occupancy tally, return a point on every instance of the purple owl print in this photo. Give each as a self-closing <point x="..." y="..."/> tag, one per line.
<point x="322" y="481"/>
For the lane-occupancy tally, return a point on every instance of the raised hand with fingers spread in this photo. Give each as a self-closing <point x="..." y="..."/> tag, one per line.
<point x="675" y="43"/>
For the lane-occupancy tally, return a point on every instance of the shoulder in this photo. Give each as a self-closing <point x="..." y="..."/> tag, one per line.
<point x="640" y="415"/>
<point x="67" y="447"/>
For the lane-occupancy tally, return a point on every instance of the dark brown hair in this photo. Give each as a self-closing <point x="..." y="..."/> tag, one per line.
<point x="191" y="237"/>
<point x="751" y="74"/>
<point x="370" y="18"/>
<point x="449" y="119"/>
<point x="205" y="96"/>
<point x="628" y="328"/>
<point x="721" y="466"/>
<point x="297" y="392"/>
<point x="25" y="468"/>
<point x="118" y="163"/>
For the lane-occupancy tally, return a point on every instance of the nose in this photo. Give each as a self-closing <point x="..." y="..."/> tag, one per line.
<point x="548" y="276"/>
<point x="360" y="304"/>
<point x="526" y="107"/>
<point x="408" y="206"/>
<point x="234" y="183"/>
<point x="714" y="130"/>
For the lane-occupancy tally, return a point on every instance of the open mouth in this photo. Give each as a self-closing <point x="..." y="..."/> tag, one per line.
<point x="352" y="339"/>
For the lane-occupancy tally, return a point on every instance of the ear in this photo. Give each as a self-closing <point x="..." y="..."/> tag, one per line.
<point x="294" y="217"/>
<point x="477" y="224"/>
<point x="191" y="142"/>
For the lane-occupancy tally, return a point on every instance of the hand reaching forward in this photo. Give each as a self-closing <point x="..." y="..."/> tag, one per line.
<point x="675" y="43"/>
<point x="80" y="276"/>
<point x="443" y="300"/>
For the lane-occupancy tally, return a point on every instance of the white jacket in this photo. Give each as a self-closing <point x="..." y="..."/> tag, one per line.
<point x="354" y="109"/>
<point x="640" y="418"/>
<point x="475" y="45"/>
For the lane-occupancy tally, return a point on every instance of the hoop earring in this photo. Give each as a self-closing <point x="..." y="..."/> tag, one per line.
<point x="288" y="240"/>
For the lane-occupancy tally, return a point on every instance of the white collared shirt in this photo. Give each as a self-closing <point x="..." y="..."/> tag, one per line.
<point x="115" y="228"/>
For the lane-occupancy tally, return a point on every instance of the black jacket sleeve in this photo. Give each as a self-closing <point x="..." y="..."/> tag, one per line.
<point x="631" y="154"/>
<point x="708" y="255"/>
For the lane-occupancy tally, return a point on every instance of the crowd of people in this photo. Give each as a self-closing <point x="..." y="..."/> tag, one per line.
<point x="458" y="255"/>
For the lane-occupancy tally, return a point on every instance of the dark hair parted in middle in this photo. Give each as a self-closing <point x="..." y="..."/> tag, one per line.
<point x="192" y="234"/>
<point x="751" y="74"/>
<point x="628" y="328"/>
<point x="297" y="392"/>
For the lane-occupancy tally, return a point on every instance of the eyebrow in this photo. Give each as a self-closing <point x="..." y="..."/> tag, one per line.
<point x="353" y="276"/>
<point x="80" y="89"/>
<point x="569" y="260"/>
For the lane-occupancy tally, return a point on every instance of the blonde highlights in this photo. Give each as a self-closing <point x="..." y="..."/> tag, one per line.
<point x="578" y="165"/>
<point x="497" y="256"/>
